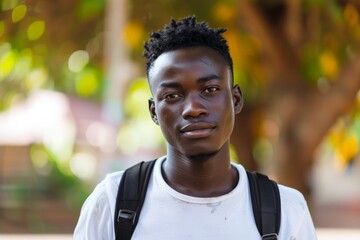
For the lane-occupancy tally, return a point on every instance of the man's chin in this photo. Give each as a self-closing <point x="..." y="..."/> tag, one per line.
<point x="201" y="156"/>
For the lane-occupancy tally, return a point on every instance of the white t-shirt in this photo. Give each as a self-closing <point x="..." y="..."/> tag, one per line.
<point x="170" y="215"/>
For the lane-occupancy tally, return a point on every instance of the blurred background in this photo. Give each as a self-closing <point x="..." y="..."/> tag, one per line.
<point x="73" y="100"/>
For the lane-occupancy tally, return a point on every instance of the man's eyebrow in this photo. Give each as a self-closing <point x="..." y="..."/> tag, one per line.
<point x="170" y="85"/>
<point x="207" y="78"/>
<point x="178" y="85"/>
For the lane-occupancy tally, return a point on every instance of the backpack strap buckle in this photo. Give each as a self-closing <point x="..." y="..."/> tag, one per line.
<point x="270" y="236"/>
<point x="126" y="214"/>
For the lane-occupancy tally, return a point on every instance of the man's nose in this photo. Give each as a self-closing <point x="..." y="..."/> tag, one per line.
<point x="194" y="107"/>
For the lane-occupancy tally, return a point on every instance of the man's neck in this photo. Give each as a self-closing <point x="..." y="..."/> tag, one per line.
<point x="207" y="175"/>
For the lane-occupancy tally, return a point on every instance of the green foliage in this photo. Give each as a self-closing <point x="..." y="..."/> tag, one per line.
<point x="90" y="9"/>
<point x="138" y="132"/>
<point x="31" y="56"/>
<point x="250" y="87"/>
<point x="135" y="105"/>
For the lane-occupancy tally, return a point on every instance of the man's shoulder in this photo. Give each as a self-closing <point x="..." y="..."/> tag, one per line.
<point x="113" y="178"/>
<point x="290" y="195"/>
<point x="106" y="188"/>
<point x="292" y="200"/>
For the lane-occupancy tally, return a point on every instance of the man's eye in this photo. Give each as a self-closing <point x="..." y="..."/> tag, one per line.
<point x="172" y="96"/>
<point x="211" y="89"/>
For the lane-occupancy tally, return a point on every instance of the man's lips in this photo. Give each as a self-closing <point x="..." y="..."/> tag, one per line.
<point x="197" y="130"/>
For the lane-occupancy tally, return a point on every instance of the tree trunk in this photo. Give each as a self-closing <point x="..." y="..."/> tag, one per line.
<point x="304" y="114"/>
<point x="293" y="162"/>
<point x="119" y="69"/>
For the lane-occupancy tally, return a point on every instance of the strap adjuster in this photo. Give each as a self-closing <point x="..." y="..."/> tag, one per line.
<point x="269" y="236"/>
<point x="127" y="215"/>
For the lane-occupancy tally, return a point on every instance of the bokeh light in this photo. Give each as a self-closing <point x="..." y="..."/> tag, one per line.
<point x="78" y="60"/>
<point x="83" y="165"/>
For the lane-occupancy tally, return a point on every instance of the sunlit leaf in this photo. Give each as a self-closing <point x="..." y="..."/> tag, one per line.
<point x="7" y="63"/>
<point x="346" y="151"/>
<point x="19" y="13"/>
<point x="36" y="30"/>
<point x="337" y="134"/>
<point x="88" y="9"/>
<point x="224" y="12"/>
<point x="133" y="33"/>
<point x="135" y="104"/>
<point x="87" y="83"/>
<point x="329" y="64"/>
<point x="344" y="138"/>
<point x="8" y="4"/>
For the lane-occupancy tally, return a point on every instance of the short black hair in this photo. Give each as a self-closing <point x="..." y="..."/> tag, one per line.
<point x="187" y="32"/>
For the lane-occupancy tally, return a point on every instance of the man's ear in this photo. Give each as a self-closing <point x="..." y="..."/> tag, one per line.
<point x="152" y="111"/>
<point x="238" y="99"/>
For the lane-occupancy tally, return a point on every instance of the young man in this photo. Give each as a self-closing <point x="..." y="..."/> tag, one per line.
<point x="194" y="192"/>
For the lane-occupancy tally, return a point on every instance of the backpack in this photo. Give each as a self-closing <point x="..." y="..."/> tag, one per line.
<point x="265" y="199"/>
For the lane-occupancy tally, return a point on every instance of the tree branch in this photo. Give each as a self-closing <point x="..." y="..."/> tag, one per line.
<point x="292" y="24"/>
<point x="321" y="111"/>
<point x="278" y="48"/>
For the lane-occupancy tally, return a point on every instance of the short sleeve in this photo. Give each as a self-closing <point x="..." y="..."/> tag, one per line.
<point x="306" y="228"/>
<point x="296" y="222"/>
<point x="96" y="220"/>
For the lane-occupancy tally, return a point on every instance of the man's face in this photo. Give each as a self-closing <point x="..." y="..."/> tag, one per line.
<point x="194" y="101"/>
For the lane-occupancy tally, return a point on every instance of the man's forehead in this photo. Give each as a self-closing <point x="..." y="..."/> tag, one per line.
<point x="173" y="60"/>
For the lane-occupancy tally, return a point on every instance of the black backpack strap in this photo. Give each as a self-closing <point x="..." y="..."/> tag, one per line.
<point x="265" y="198"/>
<point x="130" y="198"/>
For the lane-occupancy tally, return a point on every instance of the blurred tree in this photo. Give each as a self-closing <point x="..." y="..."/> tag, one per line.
<point x="310" y="52"/>
<point x="55" y="45"/>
